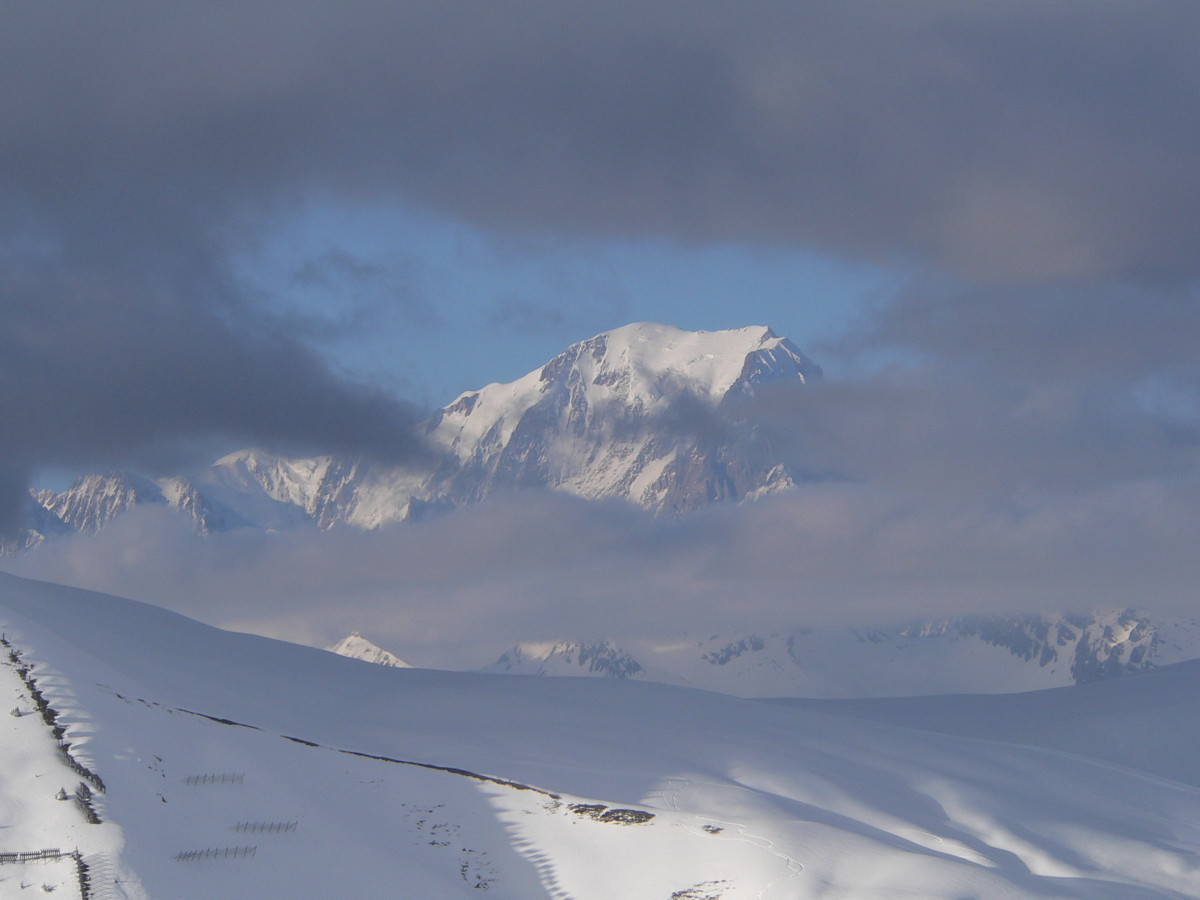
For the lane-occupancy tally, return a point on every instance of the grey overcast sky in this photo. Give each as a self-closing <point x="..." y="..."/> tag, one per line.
<point x="300" y="225"/>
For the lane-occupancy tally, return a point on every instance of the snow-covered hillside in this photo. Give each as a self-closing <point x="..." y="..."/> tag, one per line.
<point x="975" y="654"/>
<point x="643" y="413"/>
<point x="236" y="766"/>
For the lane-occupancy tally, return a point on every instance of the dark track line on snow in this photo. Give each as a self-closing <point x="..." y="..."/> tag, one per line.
<point x="217" y="719"/>
<point x="466" y="773"/>
<point x="451" y="770"/>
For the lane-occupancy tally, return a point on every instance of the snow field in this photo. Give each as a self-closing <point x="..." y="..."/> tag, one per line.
<point x="580" y="788"/>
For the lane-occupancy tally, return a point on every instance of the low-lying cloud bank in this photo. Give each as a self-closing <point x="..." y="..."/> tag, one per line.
<point x="458" y="590"/>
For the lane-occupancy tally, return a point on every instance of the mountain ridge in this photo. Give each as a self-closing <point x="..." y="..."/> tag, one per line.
<point x="968" y="654"/>
<point x="626" y="414"/>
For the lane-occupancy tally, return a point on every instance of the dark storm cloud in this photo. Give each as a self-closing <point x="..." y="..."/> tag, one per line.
<point x="1081" y="332"/>
<point x="1053" y="384"/>
<point x="377" y="289"/>
<point x="942" y="432"/>
<point x="1008" y="138"/>
<point x="336" y="267"/>
<point x="91" y="370"/>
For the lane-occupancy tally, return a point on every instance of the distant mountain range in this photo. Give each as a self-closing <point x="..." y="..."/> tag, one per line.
<point x="975" y="654"/>
<point x="645" y="413"/>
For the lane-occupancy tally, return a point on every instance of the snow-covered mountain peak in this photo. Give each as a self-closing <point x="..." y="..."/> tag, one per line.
<point x="278" y="491"/>
<point x="646" y="363"/>
<point x="287" y="480"/>
<point x="644" y="367"/>
<point x="355" y="646"/>
<point x="628" y="413"/>
<point x="94" y="499"/>
<point x="246" y="458"/>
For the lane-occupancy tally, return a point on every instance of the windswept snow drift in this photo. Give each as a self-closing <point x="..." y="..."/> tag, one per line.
<point x="237" y="766"/>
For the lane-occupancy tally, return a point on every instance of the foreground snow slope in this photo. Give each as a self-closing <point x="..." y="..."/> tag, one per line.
<point x="237" y="766"/>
